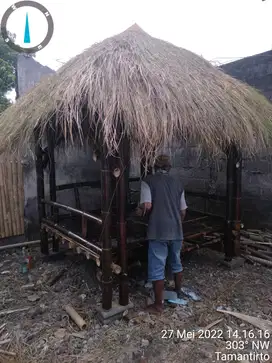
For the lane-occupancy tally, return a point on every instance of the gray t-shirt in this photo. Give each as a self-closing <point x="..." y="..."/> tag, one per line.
<point x="166" y="194"/>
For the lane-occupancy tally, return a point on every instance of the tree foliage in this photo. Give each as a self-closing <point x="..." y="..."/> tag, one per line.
<point x="7" y="72"/>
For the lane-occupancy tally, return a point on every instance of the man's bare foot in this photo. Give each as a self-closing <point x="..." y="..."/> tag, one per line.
<point x="154" y="309"/>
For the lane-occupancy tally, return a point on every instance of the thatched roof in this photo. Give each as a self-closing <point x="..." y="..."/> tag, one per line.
<point x="162" y="93"/>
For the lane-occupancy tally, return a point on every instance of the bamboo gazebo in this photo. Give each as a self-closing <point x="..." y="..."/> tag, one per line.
<point x="131" y="95"/>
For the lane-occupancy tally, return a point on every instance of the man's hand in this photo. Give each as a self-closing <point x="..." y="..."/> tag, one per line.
<point x="139" y="212"/>
<point x="143" y="208"/>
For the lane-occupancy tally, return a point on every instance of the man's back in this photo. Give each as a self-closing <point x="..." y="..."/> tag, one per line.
<point x="165" y="218"/>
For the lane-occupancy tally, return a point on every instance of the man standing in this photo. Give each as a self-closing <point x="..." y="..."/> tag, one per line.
<point x="163" y="197"/>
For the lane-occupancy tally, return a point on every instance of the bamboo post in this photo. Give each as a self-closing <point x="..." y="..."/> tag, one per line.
<point x="40" y="192"/>
<point x="121" y="202"/>
<point x="237" y="174"/>
<point x="228" y="236"/>
<point x="52" y="180"/>
<point x="114" y="167"/>
<point x="106" y="229"/>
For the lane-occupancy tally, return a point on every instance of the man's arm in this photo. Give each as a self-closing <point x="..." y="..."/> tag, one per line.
<point x="183" y="206"/>
<point x="145" y="199"/>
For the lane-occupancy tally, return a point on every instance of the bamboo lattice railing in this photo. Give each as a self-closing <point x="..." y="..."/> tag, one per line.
<point x="11" y="198"/>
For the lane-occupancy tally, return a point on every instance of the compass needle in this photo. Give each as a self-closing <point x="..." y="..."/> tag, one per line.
<point x="27" y="32"/>
<point x="30" y="41"/>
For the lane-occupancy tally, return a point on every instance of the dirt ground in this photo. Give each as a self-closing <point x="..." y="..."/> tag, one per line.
<point x="44" y="333"/>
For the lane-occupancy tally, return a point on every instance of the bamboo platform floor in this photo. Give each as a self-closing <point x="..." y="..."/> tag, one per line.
<point x="194" y="224"/>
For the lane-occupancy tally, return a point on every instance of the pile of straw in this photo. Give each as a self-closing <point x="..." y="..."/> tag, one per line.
<point x="163" y="94"/>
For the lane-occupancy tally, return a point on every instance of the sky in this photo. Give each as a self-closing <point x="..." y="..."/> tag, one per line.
<point x="219" y="30"/>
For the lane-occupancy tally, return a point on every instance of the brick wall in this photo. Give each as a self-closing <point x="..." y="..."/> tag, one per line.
<point x="200" y="174"/>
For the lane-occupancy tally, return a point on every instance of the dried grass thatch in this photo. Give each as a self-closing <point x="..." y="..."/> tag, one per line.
<point x="163" y="93"/>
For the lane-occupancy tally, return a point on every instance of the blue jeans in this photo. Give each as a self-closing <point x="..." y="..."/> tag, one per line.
<point x="157" y="255"/>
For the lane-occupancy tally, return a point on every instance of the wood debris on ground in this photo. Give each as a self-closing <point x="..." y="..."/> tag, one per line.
<point x="44" y="330"/>
<point x="4" y="341"/>
<point x="265" y="325"/>
<point x="256" y="246"/>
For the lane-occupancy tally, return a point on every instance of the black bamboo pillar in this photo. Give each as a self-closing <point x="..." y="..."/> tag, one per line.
<point x="40" y="191"/>
<point x="233" y="199"/>
<point x="51" y="137"/>
<point x="114" y="165"/>
<point x="122" y="186"/>
<point x="106" y="229"/>
<point x="237" y="198"/>
<point x="228" y="237"/>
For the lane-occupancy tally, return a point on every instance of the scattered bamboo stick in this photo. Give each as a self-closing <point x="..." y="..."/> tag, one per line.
<point x="257" y="322"/>
<point x="248" y="258"/>
<point x="8" y="312"/>
<point x="56" y="278"/>
<point x="254" y="237"/>
<point x="75" y="316"/>
<point x="22" y="244"/>
<point x="257" y="246"/>
<point x="268" y="244"/>
<point x="2" y="328"/>
<point x="259" y="254"/>
<point x="5" y="352"/>
<point x="254" y="244"/>
<point x="254" y="231"/>
<point x="261" y="261"/>
<point x="3" y="342"/>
